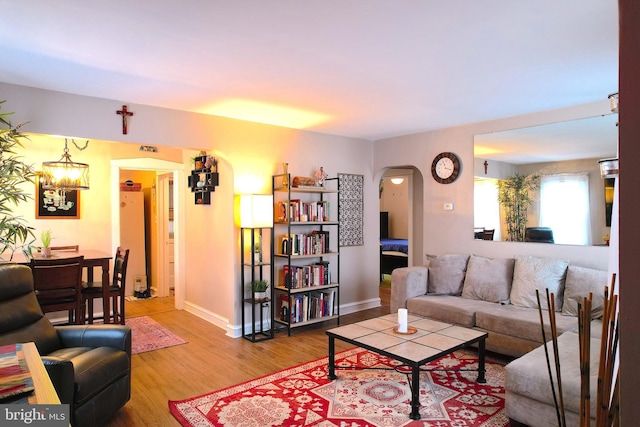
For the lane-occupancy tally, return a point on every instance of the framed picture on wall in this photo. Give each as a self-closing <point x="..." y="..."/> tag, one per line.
<point x="57" y="204"/>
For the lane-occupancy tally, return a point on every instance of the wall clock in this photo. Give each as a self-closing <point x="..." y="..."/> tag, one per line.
<point x="445" y="168"/>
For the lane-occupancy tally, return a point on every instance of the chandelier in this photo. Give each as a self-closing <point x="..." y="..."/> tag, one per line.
<point x="65" y="174"/>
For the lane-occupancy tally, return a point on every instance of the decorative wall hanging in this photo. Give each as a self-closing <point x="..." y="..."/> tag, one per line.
<point x="203" y="178"/>
<point x="125" y="118"/>
<point x="351" y="205"/>
<point x="57" y="203"/>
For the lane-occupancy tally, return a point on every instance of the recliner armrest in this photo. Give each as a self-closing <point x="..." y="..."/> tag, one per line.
<point x="407" y="282"/>
<point x="62" y="377"/>
<point x="116" y="336"/>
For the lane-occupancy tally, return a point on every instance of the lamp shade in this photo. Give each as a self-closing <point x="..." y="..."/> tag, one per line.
<point x="65" y="174"/>
<point x="256" y="211"/>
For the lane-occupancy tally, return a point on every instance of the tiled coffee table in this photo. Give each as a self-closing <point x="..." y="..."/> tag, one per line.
<point x="430" y="341"/>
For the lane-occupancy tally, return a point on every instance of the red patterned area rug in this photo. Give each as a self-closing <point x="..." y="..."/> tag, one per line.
<point x="303" y="396"/>
<point x="148" y="335"/>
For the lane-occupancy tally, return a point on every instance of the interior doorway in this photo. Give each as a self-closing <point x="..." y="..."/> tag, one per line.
<point x="163" y="245"/>
<point x="396" y="218"/>
<point x="404" y="203"/>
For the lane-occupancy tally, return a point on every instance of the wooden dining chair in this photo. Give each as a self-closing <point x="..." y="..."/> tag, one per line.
<point x="488" y="234"/>
<point x="58" y="283"/>
<point x="93" y="290"/>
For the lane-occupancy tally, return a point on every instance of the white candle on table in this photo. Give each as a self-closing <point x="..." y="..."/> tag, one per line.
<point x="402" y="320"/>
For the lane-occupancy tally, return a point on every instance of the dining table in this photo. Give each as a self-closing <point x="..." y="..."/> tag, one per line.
<point x="92" y="258"/>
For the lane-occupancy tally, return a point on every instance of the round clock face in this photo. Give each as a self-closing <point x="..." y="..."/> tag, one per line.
<point x="445" y="168"/>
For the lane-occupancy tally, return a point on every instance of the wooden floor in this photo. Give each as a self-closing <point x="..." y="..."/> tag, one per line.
<point x="211" y="360"/>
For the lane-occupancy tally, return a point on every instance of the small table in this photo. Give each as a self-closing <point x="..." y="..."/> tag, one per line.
<point x="44" y="393"/>
<point x="431" y="340"/>
<point x="92" y="258"/>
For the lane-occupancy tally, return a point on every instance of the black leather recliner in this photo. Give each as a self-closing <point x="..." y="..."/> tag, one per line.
<point x="89" y="365"/>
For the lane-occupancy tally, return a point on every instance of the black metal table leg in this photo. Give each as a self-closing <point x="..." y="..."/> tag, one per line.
<point x="481" y="368"/>
<point x="415" y="393"/>
<point x="332" y="358"/>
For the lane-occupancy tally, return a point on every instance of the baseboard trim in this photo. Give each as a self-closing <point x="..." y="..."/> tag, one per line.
<point x="359" y="306"/>
<point x="233" y="331"/>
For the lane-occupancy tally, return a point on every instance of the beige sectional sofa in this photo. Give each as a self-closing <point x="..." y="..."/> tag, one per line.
<point x="499" y="296"/>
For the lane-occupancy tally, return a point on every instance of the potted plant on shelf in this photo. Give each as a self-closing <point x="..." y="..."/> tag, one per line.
<point x="45" y="238"/>
<point x="260" y="289"/>
<point x="15" y="234"/>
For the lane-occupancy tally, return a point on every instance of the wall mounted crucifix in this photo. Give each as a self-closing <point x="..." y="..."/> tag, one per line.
<point x="485" y="166"/>
<point x="125" y="118"/>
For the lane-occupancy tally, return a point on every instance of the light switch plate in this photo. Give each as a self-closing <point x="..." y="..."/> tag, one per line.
<point x="447" y="206"/>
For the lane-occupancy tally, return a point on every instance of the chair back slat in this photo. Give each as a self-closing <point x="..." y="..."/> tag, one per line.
<point x="94" y="290"/>
<point x="58" y="284"/>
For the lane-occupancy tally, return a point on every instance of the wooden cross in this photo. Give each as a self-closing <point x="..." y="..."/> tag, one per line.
<point x="125" y="115"/>
<point x="485" y="166"/>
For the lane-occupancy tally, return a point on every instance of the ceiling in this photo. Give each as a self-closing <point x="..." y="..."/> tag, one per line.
<point x="361" y="68"/>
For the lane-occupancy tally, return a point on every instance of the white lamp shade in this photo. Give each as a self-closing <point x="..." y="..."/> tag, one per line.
<point x="256" y="211"/>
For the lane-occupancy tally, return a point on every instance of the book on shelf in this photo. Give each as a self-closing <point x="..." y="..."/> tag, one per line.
<point x="281" y="212"/>
<point x="303" y="276"/>
<point x="307" y="306"/>
<point x="314" y="243"/>
<point x="284" y="308"/>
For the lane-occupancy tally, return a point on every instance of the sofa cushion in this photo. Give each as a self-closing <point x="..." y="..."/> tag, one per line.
<point x="580" y="282"/>
<point x="528" y="375"/>
<point x="446" y="274"/>
<point x="531" y="274"/>
<point x="448" y="308"/>
<point x="520" y="321"/>
<point x="488" y="279"/>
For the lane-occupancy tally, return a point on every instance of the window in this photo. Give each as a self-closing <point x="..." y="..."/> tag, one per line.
<point x="486" y="210"/>
<point x="564" y="207"/>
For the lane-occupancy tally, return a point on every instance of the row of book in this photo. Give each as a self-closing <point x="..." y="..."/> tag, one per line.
<point x="308" y="306"/>
<point x="314" y="243"/>
<point x="302" y="276"/>
<point x="297" y="211"/>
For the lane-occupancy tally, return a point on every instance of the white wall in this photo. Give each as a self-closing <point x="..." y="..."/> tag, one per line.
<point x="249" y="154"/>
<point x="452" y="231"/>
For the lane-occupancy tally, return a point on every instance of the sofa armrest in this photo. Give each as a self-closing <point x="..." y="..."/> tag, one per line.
<point x="407" y="282"/>
<point x="116" y="336"/>
<point x="62" y="377"/>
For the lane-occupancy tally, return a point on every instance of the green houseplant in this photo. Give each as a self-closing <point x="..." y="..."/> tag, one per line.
<point x="15" y="233"/>
<point x="260" y="288"/>
<point x="514" y="196"/>
<point x="45" y="238"/>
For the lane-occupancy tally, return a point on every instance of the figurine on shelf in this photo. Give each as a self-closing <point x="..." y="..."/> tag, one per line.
<point x="320" y="176"/>
<point x="211" y="163"/>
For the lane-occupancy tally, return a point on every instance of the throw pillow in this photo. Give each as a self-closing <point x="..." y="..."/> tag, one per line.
<point x="531" y="274"/>
<point x="488" y="279"/>
<point x="446" y="274"/>
<point x="580" y="282"/>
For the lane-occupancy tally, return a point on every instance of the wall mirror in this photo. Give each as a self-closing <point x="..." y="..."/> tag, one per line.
<point x="562" y="150"/>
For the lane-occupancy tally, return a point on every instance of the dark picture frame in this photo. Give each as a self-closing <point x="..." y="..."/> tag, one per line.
<point x="57" y="204"/>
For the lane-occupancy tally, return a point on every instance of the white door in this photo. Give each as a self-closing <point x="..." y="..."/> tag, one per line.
<point x="166" y="279"/>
